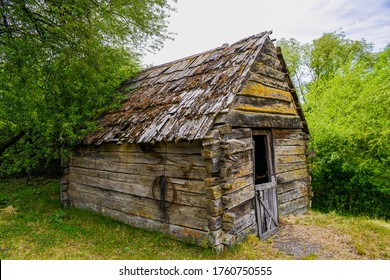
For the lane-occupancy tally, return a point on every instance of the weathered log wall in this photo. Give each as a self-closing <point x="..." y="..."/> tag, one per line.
<point x="229" y="186"/>
<point x="267" y="101"/>
<point x="292" y="170"/>
<point x="118" y="181"/>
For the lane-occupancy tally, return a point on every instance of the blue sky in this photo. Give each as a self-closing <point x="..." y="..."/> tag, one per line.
<point x="201" y="25"/>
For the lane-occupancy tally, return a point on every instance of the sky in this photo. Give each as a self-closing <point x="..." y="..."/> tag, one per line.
<point x="201" y="25"/>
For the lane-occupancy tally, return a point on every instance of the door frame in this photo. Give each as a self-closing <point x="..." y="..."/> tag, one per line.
<point x="266" y="201"/>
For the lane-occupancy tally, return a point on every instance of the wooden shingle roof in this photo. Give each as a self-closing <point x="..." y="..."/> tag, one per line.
<point x="179" y="100"/>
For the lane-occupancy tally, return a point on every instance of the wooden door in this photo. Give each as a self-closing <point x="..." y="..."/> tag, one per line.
<point x="266" y="201"/>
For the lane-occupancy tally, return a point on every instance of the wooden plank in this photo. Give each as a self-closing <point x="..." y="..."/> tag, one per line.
<point x="289" y="186"/>
<point x="285" y="159"/>
<point x="238" y="134"/>
<point x="293" y="194"/>
<point x="237" y="171"/>
<point x="268" y="81"/>
<point x="269" y="60"/>
<point x="280" y="168"/>
<point x="170" y="216"/>
<point x="262" y="120"/>
<point x="263" y="69"/>
<point x="131" y="200"/>
<point x="293" y="205"/>
<point x="290" y="142"/>
<point x="292" y="175"/>
<point x="185" y="172"/>
<point x="238" y="158"/>
<point x="232" y="200"/>
<point x="193" y="186"/>
<point x="256" y="89"/>
<point x="233" y="146"/>
<point x="242" y="222"/>
<point x="181" y="197"/>
<point x="256" y="104"/>
<point x="288" y="134"/>
<point x="234" y="184"/>
<point x="193" y="147"/>
<point x="289" y="150"/>
<point x="198" y="237"/>
<point x="146" y="158"/>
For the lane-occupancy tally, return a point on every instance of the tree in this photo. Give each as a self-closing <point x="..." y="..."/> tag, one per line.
<point x="346" y="96"/>
<point x="297" y="57"/>
<point x="60" y="65"/>
<point x="347" y="113"/>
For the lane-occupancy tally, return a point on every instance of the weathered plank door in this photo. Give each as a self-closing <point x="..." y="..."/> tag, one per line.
<point x="266" y="201"/>
<point x="266" y="209"/>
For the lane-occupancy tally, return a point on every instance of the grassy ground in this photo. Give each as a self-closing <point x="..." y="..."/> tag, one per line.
<point x="34" y="226"/>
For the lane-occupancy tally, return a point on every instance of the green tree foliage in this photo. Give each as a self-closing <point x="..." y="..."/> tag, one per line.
<point x="297" y="57"/>
<point x="347" y="112"/>
<point x="60" y="64"/>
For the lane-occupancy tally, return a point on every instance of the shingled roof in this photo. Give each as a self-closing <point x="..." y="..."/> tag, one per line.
<point x="179" y="100"/>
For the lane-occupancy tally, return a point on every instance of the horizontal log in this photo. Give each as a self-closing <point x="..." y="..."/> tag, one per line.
<point x="296" y="134"/>
<point x="233" y="146"/>
<point x="193" y="147"/>
<point x="269" y="71"/>
<point x="146" y="158"/>
<point x="234" y="184"/>
<point x="293" y="205"/>
<point x="292" y="175"/>
<point x="269" y="81"/>
<point x="263" y="105"/>
<point x="263" y="120"/>
<point x="280" y="168"/>
<point x="180" y="197"/>
<point x="269" y="60"/>
<point x="238" y="134"/>
<point x="192" y="186"/>
<point x="256" y="89"/>
<point x="290" y="142"/>
<point x="232" y="200"/>
<point x="301" y="192"/>
<point x="285" y="159"/>
<point x="289" y="150"/>
<point x="289" y="186"/>
<point x="198" y="237"/>
<point x="237" y="171"/>
<point x="237" y="158"/>
<point x="174" y="215"/>
<point x="242" y="222"/>
<point x="184" y="172"/>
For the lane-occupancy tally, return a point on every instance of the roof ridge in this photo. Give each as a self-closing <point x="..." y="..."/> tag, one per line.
<point x="224" y="46"/>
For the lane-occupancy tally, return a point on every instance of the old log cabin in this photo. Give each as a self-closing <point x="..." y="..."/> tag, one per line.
<point x="206" y="149"/>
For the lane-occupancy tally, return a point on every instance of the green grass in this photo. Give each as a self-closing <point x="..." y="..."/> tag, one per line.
<point x="33" y="225"/>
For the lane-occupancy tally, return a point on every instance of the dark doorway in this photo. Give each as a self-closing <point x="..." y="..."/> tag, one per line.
<point x="261" y="161"/>
<point x="266" y="203"/>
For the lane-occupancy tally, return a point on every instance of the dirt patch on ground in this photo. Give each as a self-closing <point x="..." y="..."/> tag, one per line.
<point x="310" y="242"/>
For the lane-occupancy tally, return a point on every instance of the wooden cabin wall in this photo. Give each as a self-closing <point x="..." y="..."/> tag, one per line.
<point x="117" y="181"/>
<point x="266" y="102"/>
<point x="229" y="186"/>
<point x="292" y="170"/>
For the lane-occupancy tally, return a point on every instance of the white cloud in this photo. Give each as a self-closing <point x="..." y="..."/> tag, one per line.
<point x="204" y="24"/>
